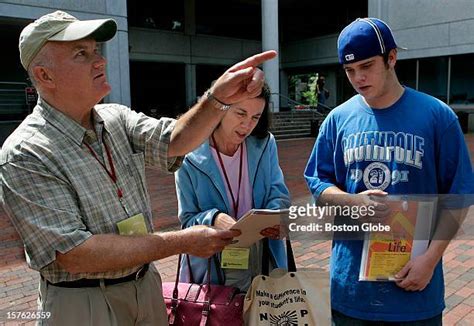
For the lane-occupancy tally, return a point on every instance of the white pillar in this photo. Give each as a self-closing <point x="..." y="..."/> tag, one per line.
<point x="190" y="70"/>
<point x="270" y="42"/>
<point x="116" y="53"/>
<point x="190" y="79"/>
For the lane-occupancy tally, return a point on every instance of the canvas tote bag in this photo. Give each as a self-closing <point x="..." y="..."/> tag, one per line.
<point x="288" y="297"/>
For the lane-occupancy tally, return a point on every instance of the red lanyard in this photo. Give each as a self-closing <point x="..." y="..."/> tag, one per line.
<point x="111" y="173"/>
<point x="235" y="203"/>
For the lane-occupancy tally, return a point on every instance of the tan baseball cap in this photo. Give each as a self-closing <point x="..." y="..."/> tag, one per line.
<point x="60" y="26"/>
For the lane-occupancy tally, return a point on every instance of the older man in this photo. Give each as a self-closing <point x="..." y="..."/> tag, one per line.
<point x="73" y="178"/>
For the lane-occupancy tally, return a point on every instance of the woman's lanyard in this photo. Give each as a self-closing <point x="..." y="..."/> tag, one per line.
<point x="111" y="173"/>
<point x="235" y="203"/>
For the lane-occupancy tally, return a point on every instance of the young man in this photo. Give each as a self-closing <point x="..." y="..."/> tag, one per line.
<point x="414" y="144"/>
<point x="73" y="177"/>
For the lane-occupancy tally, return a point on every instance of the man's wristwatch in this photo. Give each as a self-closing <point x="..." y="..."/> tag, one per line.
<point x="215" y="102"/>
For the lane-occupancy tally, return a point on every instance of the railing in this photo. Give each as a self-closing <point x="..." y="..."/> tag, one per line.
<point x="13" y="107"/>
<point x="12" y="100"/>
<point x="292" y="104"/>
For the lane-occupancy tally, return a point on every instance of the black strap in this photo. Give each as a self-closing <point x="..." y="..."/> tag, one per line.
<point x="191" y="276"/>
<point x="266" y="254"/>
<point x="190" y="270"/>
<point x="220" y="272"/>
<point x="290" y="257"/>
<point x="208" y="276"/>
<point x="265" y="257"/>
<point x="175" y="290"/>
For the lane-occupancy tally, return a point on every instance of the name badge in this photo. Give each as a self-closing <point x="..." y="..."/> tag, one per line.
<point x="235" y="258"/>
<point x="134" y="225"/>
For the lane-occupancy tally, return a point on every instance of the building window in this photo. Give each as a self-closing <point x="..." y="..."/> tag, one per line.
<point x="156" y="15"/>
<point x="406" y="72"/>
<point x="235" y="19"/>
<point x="462" y="81"/>
<point x="433" y="77"/>
<point x="155" y="95"/>
<point x="206" y="75"/>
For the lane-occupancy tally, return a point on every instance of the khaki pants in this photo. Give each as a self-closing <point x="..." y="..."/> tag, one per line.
<point x="131" y="303"/>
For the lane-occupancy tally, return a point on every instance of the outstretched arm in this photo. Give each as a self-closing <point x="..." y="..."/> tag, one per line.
<point x="240" y="82"/>
<point x="106" y="252"/>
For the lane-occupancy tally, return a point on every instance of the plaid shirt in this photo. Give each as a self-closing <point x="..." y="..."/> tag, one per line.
<point x="58" y="195"/>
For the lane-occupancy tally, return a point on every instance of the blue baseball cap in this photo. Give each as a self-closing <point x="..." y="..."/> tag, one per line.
<point x="364" y="38"/>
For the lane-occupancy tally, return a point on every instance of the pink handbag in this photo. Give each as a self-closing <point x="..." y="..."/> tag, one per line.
<point x="202" y="304"/>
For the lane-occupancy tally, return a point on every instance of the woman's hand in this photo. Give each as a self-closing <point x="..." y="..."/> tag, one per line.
<point x="272" y="233"/>
<point x="224" y="221"/>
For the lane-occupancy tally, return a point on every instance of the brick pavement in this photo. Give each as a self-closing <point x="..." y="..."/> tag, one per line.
<point x="18" y="283"/>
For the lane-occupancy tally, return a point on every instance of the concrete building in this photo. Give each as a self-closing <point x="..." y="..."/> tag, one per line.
<point x="14" y="15"/>
<point x="167" y="53"/>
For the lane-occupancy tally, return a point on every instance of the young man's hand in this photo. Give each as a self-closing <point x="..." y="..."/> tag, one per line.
<point x="416" y="274"/>
<point x="373" y="198"/>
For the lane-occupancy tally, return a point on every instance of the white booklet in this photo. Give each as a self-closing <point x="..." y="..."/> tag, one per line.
<point x="253" y="222"/>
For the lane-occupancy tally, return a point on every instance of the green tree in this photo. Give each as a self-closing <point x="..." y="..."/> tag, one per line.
<point x="310" y="94"/>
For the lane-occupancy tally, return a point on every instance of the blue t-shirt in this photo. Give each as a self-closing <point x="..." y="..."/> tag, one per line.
<point x="414" y="146"/>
